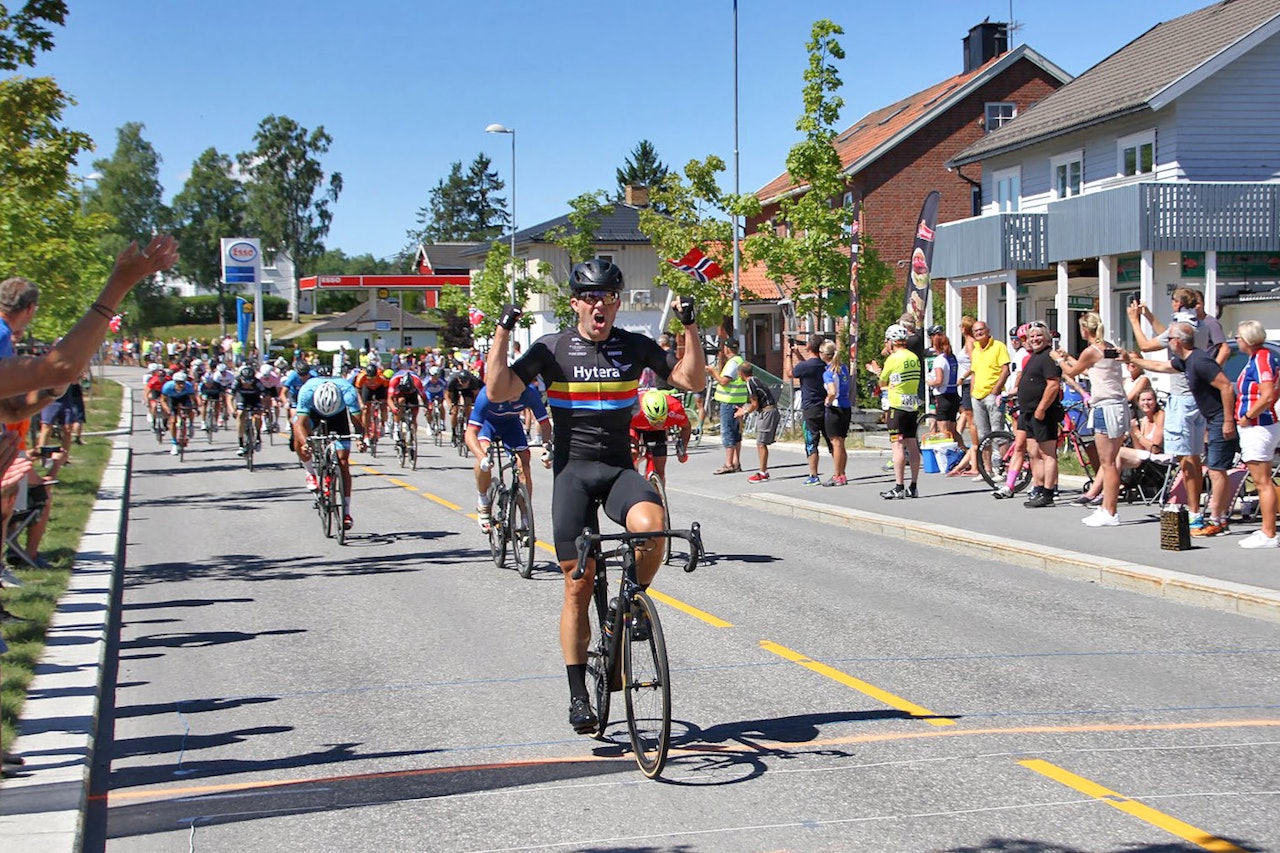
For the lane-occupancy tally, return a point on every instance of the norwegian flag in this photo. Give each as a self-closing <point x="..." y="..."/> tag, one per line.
<point x="698" y="265"/>
<point x="475" y="315"/>
<point x="114" y="323"/>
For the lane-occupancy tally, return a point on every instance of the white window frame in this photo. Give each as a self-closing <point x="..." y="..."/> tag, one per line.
<point x="1014" y="202"/>
<point x="1136" y="142"/>
<point x="993" y="114"/>
<point x="1064" y="161"/>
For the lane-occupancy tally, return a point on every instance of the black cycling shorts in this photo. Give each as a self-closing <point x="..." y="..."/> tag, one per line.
<point x="655" y="442"/>
<point x="367" y="394"/>
<point x="578" y="485"/>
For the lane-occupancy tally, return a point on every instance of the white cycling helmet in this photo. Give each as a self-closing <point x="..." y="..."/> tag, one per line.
<point x="153" y="367"/>
<point x="896" y="333"/>
<point x="180" y="376"/>
<point x="327" y="400"/>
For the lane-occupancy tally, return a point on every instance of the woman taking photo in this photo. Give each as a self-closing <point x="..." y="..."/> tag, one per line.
<point x="1108" y="412"/>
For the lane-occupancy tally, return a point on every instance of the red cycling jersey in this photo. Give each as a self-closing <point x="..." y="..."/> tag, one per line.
<point x="676" y="417"/>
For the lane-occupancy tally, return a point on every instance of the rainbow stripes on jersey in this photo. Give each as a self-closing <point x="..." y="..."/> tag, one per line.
<point x="593" y="396"/>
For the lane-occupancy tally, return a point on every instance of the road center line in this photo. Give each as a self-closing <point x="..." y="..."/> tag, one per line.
<point x="441" y="501"/>
<point x="1145" y="813"/>
<point x="713" y="621"/>
<point x="890" y="699"/>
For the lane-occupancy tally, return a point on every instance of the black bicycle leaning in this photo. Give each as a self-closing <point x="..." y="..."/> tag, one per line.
<point x="627" y="651"/>
<point x="510" y="511"/>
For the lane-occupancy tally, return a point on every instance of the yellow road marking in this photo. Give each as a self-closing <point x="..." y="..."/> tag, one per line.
<point x="402" y="484"/>
<point x="1158" y="819"/>
<point x="713" y="621"/>
<point x="858" y="684"/>
<point x="441" y="501"/>
<point x="371" y="470"/>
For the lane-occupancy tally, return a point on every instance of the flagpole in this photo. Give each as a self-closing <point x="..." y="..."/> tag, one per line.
<point x="737" y="247"/>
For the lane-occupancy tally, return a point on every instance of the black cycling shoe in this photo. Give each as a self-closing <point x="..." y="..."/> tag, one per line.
<point x="581" y="717"/>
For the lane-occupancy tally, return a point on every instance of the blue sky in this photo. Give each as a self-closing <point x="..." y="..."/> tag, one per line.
<point x="406" y="88"/>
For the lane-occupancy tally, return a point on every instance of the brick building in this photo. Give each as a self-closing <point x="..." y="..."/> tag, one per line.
<point x="894" y="156"/>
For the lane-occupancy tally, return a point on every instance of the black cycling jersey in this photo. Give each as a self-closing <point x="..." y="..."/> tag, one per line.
<point x="592" y="388"/>
<point x="254" y="390"/>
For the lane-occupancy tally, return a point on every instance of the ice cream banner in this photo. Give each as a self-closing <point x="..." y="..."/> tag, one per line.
<point x="918" y="280"/>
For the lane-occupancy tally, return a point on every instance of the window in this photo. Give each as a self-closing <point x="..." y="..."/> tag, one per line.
<point x="1137" y="153"/>
<point x="975" y="201"/>
<point x="999" y="113"/>
<point x="1008" y="189"/>
<point x="606" y="256"/>
<point x="848" y="200"/>
<point x="1068" y="174"/>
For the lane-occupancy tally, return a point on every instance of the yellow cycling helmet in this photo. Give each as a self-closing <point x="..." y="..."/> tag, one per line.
<point x="654" y="406"/>
<point x="388" y="373"/>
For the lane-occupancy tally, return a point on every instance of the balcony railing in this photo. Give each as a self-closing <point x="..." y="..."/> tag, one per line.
<point x="1003" y="241"/>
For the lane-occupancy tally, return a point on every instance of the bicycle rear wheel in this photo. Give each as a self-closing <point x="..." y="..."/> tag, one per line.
<point x="498" y="524"/>
<point x="656" y="482"/>
<point x="647" y="687"/>
<point x="413" y="449"/>
<point x="599" y="652"/>
<point x="993" y="461"/>
<point x="520" y="524"/>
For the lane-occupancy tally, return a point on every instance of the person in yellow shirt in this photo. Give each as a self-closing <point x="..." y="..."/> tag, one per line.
<point x="990" y="371"/>
<point x="901" y="378"/>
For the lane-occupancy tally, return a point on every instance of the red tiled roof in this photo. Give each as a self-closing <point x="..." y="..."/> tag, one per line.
<point x="875" y="128"/>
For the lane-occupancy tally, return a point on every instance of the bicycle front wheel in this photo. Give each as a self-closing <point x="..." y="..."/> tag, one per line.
<point x="520" y="523"/>
<point x="647" y="686"/>
<point x="661" y="489"/>
<point x="338" y="510"/>
<point x="498" y="524"/>
<point x="993" y="454"/>
<point x="413" y="449"/>
<point x="601" y="653"/>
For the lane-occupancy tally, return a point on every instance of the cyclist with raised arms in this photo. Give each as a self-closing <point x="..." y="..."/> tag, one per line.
<point x="592" y="371"/>
<point x="658" y="413"/>
<point x="334" y="402"/>
<point x="506" y="421"/>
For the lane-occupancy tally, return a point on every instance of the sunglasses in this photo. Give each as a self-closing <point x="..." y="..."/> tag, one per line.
<point x="606" y="297"/>
<point x="1036" y="324"/>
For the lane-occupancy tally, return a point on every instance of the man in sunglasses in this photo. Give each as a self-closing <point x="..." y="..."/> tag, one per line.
<point x="592" y="370"/>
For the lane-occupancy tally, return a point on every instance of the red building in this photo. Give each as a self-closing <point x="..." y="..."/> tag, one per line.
<point x="895" y="155"/>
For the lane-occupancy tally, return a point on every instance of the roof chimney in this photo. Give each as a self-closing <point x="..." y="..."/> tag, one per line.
<point x="636" y="195"/>
<point x="985" y="42"/>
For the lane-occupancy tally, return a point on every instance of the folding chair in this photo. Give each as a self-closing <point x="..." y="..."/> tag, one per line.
<point x="1151" y="482"/>
<point x="37" y="500"/>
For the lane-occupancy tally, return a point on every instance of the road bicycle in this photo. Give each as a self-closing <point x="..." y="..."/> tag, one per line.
<point x="995" y="451"/>
<point x="271" y="422"/>
<point x="435" y="421"/>
<point x="406" y="441"/>
<point x="510" y="511"/>
<point x="373" y="430"/>
<point x="252" y="435"/>
<point x="182" y="430"/>
<point x="329" y="500"/>
<point x="644" y="462"/>
<point x="159" y="425"/>
<point x="627" y="651"/>
<point x="210" y="419"/>
<point x="456" y="438"/>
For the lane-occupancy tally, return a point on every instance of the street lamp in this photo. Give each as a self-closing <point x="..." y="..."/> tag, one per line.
<point x="497" y="128"/>
<point x="82" y="180"/>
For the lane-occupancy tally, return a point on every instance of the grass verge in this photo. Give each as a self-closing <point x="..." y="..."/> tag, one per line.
<point x="73" y="499"/>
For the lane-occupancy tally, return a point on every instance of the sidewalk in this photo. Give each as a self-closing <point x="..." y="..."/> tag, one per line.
<point x="958" y="514"/>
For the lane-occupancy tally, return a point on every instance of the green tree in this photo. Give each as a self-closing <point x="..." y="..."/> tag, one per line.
<point x="288" y="197"/>
<point x="45" y="234"/>
<point x="211" y="205"/>
<point x="814" y="256"/>
<point x="23" y="33"/>
<point x="696" y="214"/>
<point x="642" y="168"/>
<point x="463" y="206"/>
<point x="578" y="239"/>
<point x="491" y="290"/>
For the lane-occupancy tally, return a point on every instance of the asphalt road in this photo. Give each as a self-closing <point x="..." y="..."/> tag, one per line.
<point x="832" y="691"/>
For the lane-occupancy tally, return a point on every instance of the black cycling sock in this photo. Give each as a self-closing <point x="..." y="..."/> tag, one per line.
<point x="577" y="673"/>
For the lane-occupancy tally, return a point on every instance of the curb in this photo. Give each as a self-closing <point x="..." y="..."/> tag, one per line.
<point x="1227" y="596"/>
<point x="43" y="809"/>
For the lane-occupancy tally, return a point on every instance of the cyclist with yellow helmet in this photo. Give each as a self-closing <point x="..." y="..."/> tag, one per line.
<point x="658" y="413"/>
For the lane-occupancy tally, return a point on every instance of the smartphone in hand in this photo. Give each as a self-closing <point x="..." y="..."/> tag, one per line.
<point x="1110" y="352"/>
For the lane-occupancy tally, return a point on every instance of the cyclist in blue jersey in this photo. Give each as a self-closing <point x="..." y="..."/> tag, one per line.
<point x="506" y="421"/>
<point x="433" y="388"/>
<point x="178" y="396"/>
<point x="592" y="371"/>
<point x="335" y="403"/>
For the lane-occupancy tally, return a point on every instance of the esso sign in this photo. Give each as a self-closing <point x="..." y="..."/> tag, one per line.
<point x="243" y="253"/>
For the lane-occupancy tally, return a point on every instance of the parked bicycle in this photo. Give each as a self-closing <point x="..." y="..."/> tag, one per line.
<point x="510" y="511"/>
<point x="627" y="651"/>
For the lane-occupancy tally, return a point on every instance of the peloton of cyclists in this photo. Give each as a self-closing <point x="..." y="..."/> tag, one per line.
<point x="592" y="370"/>
<point x="334" y="403"/>
<point x="506" y="421"/>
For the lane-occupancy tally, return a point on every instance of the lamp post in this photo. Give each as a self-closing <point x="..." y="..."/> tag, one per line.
<point x="497" y="128"/>
<point x="82" y="180"/>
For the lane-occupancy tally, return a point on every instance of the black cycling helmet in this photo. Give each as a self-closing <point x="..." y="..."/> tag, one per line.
<point x="302" y="366"/>
<point x="595" y="274"/>
<point x="247" y="373"/>
<point x="371" y="369"/>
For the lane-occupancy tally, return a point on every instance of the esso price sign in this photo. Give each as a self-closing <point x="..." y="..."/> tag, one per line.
<point x="243" y="253"/>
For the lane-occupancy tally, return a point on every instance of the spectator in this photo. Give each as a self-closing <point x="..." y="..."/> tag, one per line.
<point x="902" y="374"/>
<point x="761" y="400"/>
<point x="943" y="379"/>
<point x="1255" y="415"/>
<point x="813" y="395"/>
<point x="1215" y="399"/>
<point x="990" y="370"/>
<point x="1108" y="412"/>
<point x="1147" y="435"/>
<point x="1217" y="337"/>
<point x="731" y="394"/>
<point x="1184" y="425"/>
<point x="1040" y="414"/>
<point x="838" y="412"/>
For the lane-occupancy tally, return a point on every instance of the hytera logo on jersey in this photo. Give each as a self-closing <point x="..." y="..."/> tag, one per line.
<point x="582" y="373"/>
<point x="242" y="252"/>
